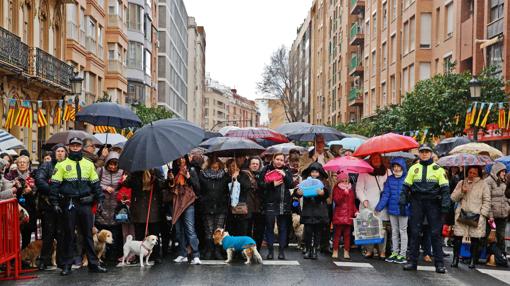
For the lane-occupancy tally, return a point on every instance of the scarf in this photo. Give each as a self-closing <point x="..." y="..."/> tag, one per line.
<point x="76" y="156"/>
<point x="427" y="162"/>
<point x="398" y="174"/>
<point x="214" y="175"/>
<point x="345" y="186"/>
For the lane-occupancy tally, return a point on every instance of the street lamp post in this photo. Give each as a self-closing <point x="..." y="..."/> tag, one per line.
<point x="475" y="89"/>
<point x="76" y="89"/>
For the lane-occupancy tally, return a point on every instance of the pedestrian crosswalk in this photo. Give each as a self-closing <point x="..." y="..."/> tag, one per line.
<point x="265" y="262"/>
<point x="501" y="275"/>
<point x="353" y="264"/>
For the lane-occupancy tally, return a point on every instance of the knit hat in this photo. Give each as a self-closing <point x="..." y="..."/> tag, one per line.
<point x="342" y="176"/>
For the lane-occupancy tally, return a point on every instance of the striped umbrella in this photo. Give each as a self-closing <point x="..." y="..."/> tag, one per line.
<point x="8" y="141"/>
<point x="459" y="160"/>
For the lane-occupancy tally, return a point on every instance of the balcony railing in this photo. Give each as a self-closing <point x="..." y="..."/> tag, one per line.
<point x="495" y="28"/>
<point x="115" y="66"/>
<point x="354" y="94"/>
<point x="13" y="51"/>
<point x="50" y="68"/>
<point x="357" y="6"/>
<point x="355" y="30"/>
<point x="91" y="44"/>
<point x="355" y="62"/>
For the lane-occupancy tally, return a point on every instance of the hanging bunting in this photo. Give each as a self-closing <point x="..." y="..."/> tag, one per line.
<point x="9" y="121"/>
<point x="112" y="130"/>
<point x="501" y="116"/>
<point x="41" y="119"/>
<point x="467" y="122"/>
<point x="100" y="129"/>
<point x="477" y="123"/>
<point x="58" y="113"/>
<point x="25" y="115"/>
<point x="130" y="134"/>
<point x="484" y="121"/>
<point x="473" y="114"/>
<point x="68" y="110"/>
<point x="424" y="136"/>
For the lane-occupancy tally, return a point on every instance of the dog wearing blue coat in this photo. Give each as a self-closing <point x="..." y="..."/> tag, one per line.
<point x="244" y="244"/>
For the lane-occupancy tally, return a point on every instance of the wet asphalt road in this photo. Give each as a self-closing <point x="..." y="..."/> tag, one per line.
<point x="358" y="271"/>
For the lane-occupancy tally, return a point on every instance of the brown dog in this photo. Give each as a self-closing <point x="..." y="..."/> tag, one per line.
<point x="33" y="251"/>
<point x="101" y="239"/>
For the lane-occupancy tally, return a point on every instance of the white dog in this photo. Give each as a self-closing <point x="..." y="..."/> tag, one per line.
<point x="140" y="248"/>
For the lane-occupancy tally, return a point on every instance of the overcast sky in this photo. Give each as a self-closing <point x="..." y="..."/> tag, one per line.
<point x="242" y="35"/>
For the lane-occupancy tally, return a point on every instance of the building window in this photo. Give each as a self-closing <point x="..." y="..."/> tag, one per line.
<point x="411" y="77"/>
<point x="405" y="81"/>
<point x="135" y="55"/>
<point x="135" y="17"/>
<point x="405" y="38"/>
<point x="495" y="58"/>
<point x="393" y="9"/>
<point x="497" y="10"/>
<point x="412" y="33"/>
<point x="424" y="71"/>
<point x="393" y="48"/>
<point x="384" y="94"/>
<point x="147" y="28"/>
<point x="135" y="93"/>
<point x="147" y="62"/>
<point x="447" y="64"/>
<point x="374" y="25"/>
<point x="384" y="55"/>
<point x="373" y="100"/>
<point x="385" y="15"/>
<point x="425" y="30"/>
<point x="393" y="90"/>
<point x="438" y="25"/>
<point x="374" y="60"/>
<point x="449" y="20"/>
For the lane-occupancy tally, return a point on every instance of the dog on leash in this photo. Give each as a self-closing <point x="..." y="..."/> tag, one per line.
<point x="101" y="239"/>
<point x="33" y="251"/>
<point x="140" y="248"/>
<point x="231" y="244"/>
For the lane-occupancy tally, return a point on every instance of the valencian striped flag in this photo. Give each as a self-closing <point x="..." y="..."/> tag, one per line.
<point x="41" y="119"/>
<point x="100" y="129"/>
<point x="9" y="121"/>
<point x="67" y="111"/>
<point x="58" y="113"/>
<point x="25" y="115"/>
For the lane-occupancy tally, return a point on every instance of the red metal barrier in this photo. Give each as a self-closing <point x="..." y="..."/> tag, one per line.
<point x="10" y="252"/>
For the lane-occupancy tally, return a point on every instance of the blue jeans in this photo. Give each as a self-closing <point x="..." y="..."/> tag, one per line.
<point x="282" y="221"/>
<point x="186" y="234"/>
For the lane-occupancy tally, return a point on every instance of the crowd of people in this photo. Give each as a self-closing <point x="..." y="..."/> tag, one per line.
<point x="78" y="187"/>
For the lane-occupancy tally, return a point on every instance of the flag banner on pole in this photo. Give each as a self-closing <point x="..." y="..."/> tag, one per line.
<point x="100" y="129"/>
<point x="68" y="110"/>
<point x="477" y="123"/>
<point x="484" y="121"/>
<point x="473" y="114"/>
<point x="501" y="115"/>
<point x="41" y="119"/>
<point x="58" y="113"/>
<point x="424" y="136"/>
<point x="25" y="115"/>
<point x="467" y="122"/>
<point x="9" y="121"/>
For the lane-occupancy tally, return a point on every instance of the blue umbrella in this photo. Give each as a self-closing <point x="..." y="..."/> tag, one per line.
<point x="347" y="143"/>
<point x="505" y="160"/>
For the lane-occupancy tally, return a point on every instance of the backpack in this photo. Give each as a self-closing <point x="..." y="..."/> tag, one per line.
<point x="499" y="256"/>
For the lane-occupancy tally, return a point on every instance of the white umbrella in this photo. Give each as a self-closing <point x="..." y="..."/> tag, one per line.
<point x="8" y="141"/>
<point x="226" y="129"/>
<point x="113" y="138"/>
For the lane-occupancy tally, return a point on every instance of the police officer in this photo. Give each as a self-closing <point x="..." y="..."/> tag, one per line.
<point x="426" y="188"/>
<point x="74" y="188"/>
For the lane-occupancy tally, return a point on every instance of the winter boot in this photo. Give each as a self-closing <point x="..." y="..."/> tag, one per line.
<point x="474" y="254"/>
<point x="456" y="250"/>
<point x="307" y="254"/>
<point x="314" y="253"/>
<point x="270" y="253"/>
<point x="281" y="253"/>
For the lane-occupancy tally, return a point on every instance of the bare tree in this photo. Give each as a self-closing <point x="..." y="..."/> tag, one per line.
<point x="277" y="82"/>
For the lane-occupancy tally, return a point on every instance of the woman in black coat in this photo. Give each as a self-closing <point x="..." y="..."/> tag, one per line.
<point x="277" y="203"/>
<point x="315" y="210"/>
<point x="214" y="202"/>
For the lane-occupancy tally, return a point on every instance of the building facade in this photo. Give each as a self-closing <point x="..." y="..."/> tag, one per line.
<point x="242" y="112"/>
<point x="142" y="51"/>
<point x="367" y="54"/>
<point x="173" y="57"/>
<point x="196" y="72"/>
<point x="272" y="112"/>
<point x="32" y="63"/>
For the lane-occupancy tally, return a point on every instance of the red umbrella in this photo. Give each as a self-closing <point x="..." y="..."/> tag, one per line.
<point x="386" y="143"/>
<point x="258" y="133"/>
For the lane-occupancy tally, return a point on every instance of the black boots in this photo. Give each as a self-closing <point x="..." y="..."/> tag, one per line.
<point x="66" y="270"/>
<point x="440" y="268"/>
<point x="474" y="254"/>
<point x="314" y="253"/>
<point x="281" y="254"/>
<point x="270" y="253"/>
<point x="410" y="267"/>
<point x="308" y="253"/>
<point x="456" y="251"/>
<point x="97" y="269"/>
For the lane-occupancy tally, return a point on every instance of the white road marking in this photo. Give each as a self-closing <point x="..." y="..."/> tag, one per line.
<point x="353" y="264"/>
<point x="280" y="262"/>
<point x="213" y="262"/>
<point x="501" y="275"/>
<point x="427" y="268"/>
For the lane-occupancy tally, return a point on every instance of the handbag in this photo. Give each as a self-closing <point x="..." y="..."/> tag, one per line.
<point x="240" y="209"/>
<point x="492" y="236"/>
<point x="468" y="218"/>
<point x="447" y="231"/>
<point x="272" y="176"/>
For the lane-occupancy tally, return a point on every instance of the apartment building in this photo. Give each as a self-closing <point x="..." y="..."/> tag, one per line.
<point x="196" y="72"/>
<point x="377" y="50"/>
<point x="32" y="62"/>
<point x="142" y="51"/>
<point x="272" y="112"/>
<point x="242" y="112"/>
<point x="173" y="57"/>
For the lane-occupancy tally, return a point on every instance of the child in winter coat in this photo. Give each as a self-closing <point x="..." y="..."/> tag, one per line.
<point x="315" y="211"/>
<point x="345" y="210"/>
<point x="398" y="216"/>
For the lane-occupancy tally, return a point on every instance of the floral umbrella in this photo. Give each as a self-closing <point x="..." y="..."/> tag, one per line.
<point x="459" y="160"/>
<point x="477" y="149"/>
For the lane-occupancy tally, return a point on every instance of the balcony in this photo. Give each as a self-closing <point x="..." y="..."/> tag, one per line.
<point x="495" y="28"/>
<point x="115" y="21"/>
<point x="50" y="69"/>
<point x="91" y="44"/>
<point x="13" y="52"/>
<point x="115" y="66"/>
<point x="72" y="31"/>
<point x="355" y="97"/>
<point x="356" y="67"/>
<point x="357" y="7"/>
<point x="357" y="38"/>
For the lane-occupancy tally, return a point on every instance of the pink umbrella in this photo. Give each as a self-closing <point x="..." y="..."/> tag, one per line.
<point x="348" y="164"/>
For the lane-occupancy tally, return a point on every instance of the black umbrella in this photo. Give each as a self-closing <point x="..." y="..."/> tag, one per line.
<point x="109" y="114"/>
<point x="212" y="141"/>
<point x="234" y="146"/>
<point x="210" y="134"/>
<point x="311" y="132"/>
<point x="158" y="143"/>
<point x="288" y="128"/>
<point x="405" y="155"/>
<point x="446" y="145"/>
